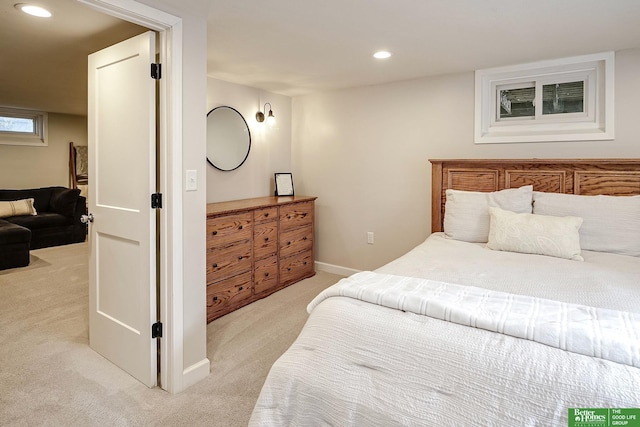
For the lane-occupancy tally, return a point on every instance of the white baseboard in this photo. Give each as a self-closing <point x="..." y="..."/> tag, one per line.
<point x="196" y="372"/>
<point x="335" y="269"/>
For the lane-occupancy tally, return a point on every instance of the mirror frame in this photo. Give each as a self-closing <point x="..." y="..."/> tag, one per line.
<point x="248" y="133"/>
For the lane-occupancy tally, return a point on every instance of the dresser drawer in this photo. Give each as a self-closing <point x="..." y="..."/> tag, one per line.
<point x="265" y="239"/>
<point x="296" y="240"/>
<point x="229" y="228"/>
<point x="227" y="261"/>
<point x="227" y="295"/>
<point x="265" y="214"/>
<point x="296" y="215"/>
<point x="296" y="267"/>
<point x="265" y="275"/>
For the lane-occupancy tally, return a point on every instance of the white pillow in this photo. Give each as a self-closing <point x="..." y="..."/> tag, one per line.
<point x="535" y="234"/>
<point x="611" y="223"/>
<point x="466" y="213"/>
<point x="17" y="207"/>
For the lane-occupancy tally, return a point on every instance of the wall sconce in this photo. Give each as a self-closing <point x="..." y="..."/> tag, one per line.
<point x="271" y="119"/>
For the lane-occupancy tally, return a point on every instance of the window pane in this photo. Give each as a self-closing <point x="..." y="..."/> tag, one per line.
<point x="563" y="98"/>
<point x="12" y="124"/>
<point x="517" y="102"/>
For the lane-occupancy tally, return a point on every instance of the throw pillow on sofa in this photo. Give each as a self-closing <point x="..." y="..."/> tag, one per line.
<point x="16" y="208"/>
<point x="63" y="200"/>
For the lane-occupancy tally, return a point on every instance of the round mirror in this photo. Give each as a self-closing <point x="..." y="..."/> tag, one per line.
<point x="228" y="138"/>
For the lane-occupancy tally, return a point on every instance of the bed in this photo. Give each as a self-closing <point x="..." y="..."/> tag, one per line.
<point x="478" y="325"/>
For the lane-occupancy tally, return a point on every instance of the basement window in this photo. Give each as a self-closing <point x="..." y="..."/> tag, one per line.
<point x="561" y="100"/>
<point x="23" y="127"/>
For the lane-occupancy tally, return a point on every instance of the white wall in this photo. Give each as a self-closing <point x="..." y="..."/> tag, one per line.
<point x="194" y="202"/>
<point x="364" y="152"/>
<point x="33" y="167"/>
<point x="191" y="270"/>
<point x="270" y="145"/>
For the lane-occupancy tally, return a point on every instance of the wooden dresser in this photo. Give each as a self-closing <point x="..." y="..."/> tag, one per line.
<point x="256" y="247"/>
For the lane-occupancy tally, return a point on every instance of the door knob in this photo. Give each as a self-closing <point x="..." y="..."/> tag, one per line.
<point x="85" y="219"/>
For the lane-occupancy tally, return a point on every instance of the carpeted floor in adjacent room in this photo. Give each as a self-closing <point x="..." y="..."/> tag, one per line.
<point x="50" y="377"/>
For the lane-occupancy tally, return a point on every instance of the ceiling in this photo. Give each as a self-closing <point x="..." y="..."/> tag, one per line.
<point x="295" y="47"/>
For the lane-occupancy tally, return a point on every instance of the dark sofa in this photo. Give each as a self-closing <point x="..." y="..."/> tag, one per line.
<point x="57" y="221"/>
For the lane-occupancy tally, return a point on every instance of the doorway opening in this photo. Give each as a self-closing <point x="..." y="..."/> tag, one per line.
<point x="169" y="28"/>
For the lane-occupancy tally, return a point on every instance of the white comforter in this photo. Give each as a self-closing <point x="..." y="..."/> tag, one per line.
<point x="599" y="332"/>
<point x="357" y="363"/>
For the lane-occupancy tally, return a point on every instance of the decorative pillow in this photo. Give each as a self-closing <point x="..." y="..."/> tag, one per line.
<point x="63" y="200"/>
<point x="611" y="223"/>
<point x="535" y="234"/>
<point x="466" y="214"/>
<point x="17" y="207"/>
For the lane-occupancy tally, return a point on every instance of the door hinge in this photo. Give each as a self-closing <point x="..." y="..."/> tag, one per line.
<point x="156" y="71"/>
<point x="156" y="330"/>
<point x="156" y="201"/>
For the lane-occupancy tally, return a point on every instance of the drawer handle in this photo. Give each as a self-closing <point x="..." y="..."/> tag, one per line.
<point x="288" y="243"/>
<point x="240" y="228"/>
<point x="266" y="274"/>
<point x="215" y="298"/>
<point x="304" y="238"/>
<point x="288" y="216"/>
<point x="289" y="269"/>
<point x="240" y="257"/>
<point x="305" y="263"/>
<point x="214" y="233"/>
<point x="266" y="239"/>
<point x="266" y="215"/>
<point x="215" y="265"/>
<point x="304" y="214"/>
<point x="240" y="288"/>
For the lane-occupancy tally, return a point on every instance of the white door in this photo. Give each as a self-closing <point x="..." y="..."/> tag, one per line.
<point x="122" y="177"/>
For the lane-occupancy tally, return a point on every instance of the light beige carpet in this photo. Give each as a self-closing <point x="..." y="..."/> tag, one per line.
<point x="50" y="377"/>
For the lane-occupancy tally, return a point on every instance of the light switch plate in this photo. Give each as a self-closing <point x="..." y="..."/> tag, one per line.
<point x="192" y="180"/>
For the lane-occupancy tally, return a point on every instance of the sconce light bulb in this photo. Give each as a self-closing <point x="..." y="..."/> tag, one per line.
<point x="271" y="119"/>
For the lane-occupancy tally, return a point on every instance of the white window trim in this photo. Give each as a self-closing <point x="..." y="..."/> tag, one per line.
<point x="38" y="138"/>
<point x="596" y="123"/>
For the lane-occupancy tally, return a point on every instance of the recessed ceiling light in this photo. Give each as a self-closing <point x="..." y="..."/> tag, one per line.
<point x="382" y="54"/>
<point x="33" y="10"/>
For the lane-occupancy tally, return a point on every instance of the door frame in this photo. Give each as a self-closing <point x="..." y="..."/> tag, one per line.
<point x="170" y="125"/>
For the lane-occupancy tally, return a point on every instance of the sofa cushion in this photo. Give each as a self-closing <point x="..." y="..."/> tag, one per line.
<point x="14" y="245"/>
<point x="12" y="233"/>
<point x="42" y="220"/>
<point x="63" y="200"/>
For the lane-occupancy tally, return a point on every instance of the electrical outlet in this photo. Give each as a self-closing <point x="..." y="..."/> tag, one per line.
<point x="370" y="237"/>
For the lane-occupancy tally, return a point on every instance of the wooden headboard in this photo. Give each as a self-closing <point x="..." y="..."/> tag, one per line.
<point x="616" y="177"/>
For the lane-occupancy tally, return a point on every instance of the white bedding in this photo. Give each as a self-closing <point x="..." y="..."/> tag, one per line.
<point x="357" y="363"/>
<point x="601" y="280"/>
<point x="599" y="332"/>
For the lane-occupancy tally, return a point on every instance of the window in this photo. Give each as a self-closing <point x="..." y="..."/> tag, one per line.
<point x="562" y="100"/>
<point x="22" y="127"/>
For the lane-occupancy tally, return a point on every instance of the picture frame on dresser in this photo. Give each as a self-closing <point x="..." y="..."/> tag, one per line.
<point x="284" y="184"/>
